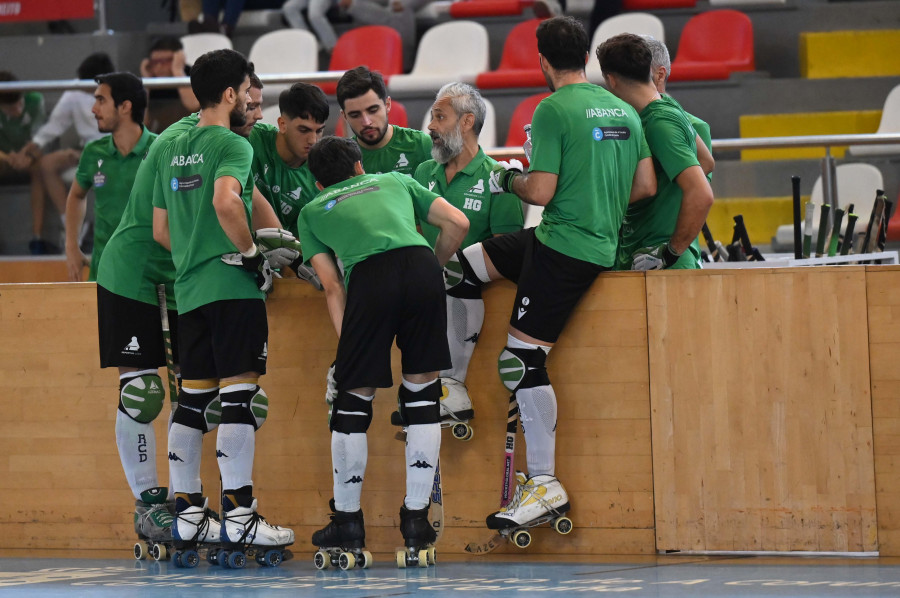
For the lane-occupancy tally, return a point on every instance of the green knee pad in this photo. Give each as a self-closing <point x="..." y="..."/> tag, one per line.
<point x="141" y="397"/>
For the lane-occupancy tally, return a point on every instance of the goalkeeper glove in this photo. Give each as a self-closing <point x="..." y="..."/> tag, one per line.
<point x="654" y="258"/>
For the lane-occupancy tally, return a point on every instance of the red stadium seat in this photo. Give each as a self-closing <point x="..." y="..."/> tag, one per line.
<point x="713" y="45"/>
<point x="377" y="46"/>
<point x="397" y="116"/>
<point x="519" y="66"/>
<point x="893" y="230"/>
<point x="521" y="116"/>
<point x="473" y="9"/>
<point x="657" y="4"/>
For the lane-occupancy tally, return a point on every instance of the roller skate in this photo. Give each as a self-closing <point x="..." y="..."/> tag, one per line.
<point x="419" y="537"/>
<point x="541" y="499"/>
<point x="246" y="533"/>
<point x="342" y="543"/>
<point x="456" y="409"/>
<point x="195" y="528"/>
<point x="153" y="525"/>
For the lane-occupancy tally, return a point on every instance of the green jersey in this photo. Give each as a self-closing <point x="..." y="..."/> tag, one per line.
<point x="188" y="170"/>
<point x="287" y="189"/>
<point x="651" y="221"/>
<point x="111" y="175"/>
<point x="403" y="153"/>
<point x="15" y="132"/>
<point x="593" y="141"/>
<point x="133" y="263"/>
<point x="363" y="216"/>
<point x="469" y="191"/>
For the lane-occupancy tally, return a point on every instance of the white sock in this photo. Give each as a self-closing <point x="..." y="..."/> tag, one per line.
<point x="464" y="320"/>
<point x="423" y="447"/>
<point x="185" y="448"/>
<point x="349" y="456"/>
<point x="537" y="411"/>
<point x="137" y="451"/>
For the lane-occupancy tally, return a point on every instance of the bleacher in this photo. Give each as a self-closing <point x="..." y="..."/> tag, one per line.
<point x="820" y="67"/>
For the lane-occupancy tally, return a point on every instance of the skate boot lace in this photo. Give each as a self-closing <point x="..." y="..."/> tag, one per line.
<point x="157" y="516"/>
<point x="200" y="528"/>
<point x="250" y="527"/>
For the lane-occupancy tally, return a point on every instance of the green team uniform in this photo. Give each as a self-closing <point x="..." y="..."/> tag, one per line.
<point x="403" y="153"/>
<point x="470" y="192"/>
<point x="188" y="170"/>
<point x="593" y="141"/>
<point x="133" y="263"/>
<point x="16" y="132"/>
<point x="112" y="176"/>
<point x="286" y="189"/>
<point x="651" y="221"/>
<point x="378" y="209"/>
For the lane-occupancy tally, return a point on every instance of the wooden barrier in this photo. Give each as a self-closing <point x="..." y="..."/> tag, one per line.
<point x="750" y="387"/>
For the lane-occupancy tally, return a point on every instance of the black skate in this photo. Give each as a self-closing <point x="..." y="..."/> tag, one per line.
<point x="419" y="537"/>
<point x="342" y="543"/>
<point x="153" y="525"/>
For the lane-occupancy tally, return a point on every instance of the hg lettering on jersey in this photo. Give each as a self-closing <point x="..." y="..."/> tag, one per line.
<point x="604" y="113"/>
<point x="187" y="160"/>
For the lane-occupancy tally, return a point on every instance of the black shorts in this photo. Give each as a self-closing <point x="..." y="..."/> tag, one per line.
<point x="130" y="332"/>
<point x="397" y="293"/>
<point x="224" y="339"/>
<point x="550" y="283"/>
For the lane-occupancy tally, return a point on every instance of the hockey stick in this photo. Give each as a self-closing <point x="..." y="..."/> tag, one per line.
<point x="807" y="228"/>
<point x="823" y="230"/>
<point x="867" y="238"/>
<point x="167" y="340"/>
<point x="885" y="217"/>
<point x="740" y="230"/>
<point x="437" y="503"/>
<point x="717" y="251"/>
<point x="835" y="232"/>
<point x="848" y="234"/>
<point x="795" y="184"/>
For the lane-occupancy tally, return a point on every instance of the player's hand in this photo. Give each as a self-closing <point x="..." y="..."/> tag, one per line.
<point x="307" y="273"/>
<point x="75" y="262"/>
<point x="257" y="264"/>
<point x="502" y="175"/>
<point x="279" y="246"/>
<point x="654" y="258"/>
<point x="178" y="62"/>
<point x="526" y="147"/>
<point x="145" y="68"/>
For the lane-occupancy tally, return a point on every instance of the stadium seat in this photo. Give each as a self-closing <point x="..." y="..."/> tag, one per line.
<point x="521" y="116"/>
<point x="713" y="45"/>
<point x="198" y="44"/>
<point x="890" y="123"/>
<point x="284" y="51"/>
<point x="856" y="184"/>
<point x="519" y="66"/>
<point x="640" y="23"/>
<point x="657" y="4"/>
<point x="471" y="9"/>
<point x="435" y="65"/>
<point x="376" y="46"/>
<point x="488" y="137"/>
<point x="397" y="116"/>
<point x="742" y="2"/>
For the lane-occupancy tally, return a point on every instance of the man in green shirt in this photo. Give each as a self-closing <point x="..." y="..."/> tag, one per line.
<point x="202" y="213"/>
<point x="21" y="115"/>
<point x="392" y="287"/>
<point x="660" y="231"/>
<point x="365" y="105"/>
<point x="460" y="172"/>
<point x="109" y="165"/>
<point x="588" y="160"/>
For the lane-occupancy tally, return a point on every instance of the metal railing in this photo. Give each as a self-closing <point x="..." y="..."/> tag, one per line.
<point x="160" y="82"/>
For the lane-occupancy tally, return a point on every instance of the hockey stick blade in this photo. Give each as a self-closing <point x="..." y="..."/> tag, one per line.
<point x="478" y="549"/>
<point x="509" y="452"/>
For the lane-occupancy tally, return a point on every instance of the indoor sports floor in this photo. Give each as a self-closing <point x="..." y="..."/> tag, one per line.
<point x="675" y="576"/>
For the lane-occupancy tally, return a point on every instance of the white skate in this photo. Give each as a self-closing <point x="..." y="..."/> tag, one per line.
<point x="456" y="409"/>
<point x="247" y="533"/>
<point x="541" y="499"/>
<point x="195" y="527"/>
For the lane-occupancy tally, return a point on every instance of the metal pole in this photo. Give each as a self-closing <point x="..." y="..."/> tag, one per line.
<point x="103" y="29"/>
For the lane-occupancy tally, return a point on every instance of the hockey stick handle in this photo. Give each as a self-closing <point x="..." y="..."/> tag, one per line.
<point x="847" y="245"/>
<point x="798" y="247"/>
<point x="167" y="340"/>
<point x="823" y="230"/>
<point x="836" y="231"/>
<point x="509" y="453"/>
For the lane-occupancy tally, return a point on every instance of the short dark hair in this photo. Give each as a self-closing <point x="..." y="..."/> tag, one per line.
<point x="359" y="81"/>
<point x="564" y="42"/>
<point x="125" y="86"/>
<point x="332" y="159"/>
<point x="626" y="55"/>
<point x="303" y="100"/>
<point x="9" y="97"/>
<point x="94" y="65"/>
<point x="216" y="71"/>
<point x="167" y="42"/>
<point x="254" y="80"/>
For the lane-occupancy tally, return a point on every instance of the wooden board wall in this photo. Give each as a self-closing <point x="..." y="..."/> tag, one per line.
<point x="762" y="427"/>
<point x="36" y="269"/>
<point x="62" y="486"/>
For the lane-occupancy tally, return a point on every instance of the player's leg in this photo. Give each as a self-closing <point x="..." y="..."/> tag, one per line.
<point x="37" y="245"/>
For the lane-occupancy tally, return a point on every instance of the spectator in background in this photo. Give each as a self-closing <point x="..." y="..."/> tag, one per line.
<point x="167" y="106"/>
<point x="21" y="114"/>
<point x="230" y="17"/>
<point x="72" y="110"/>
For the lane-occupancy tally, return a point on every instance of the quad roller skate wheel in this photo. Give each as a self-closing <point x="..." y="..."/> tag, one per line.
<point x="401" y="559"/>
<point x="321" y="560"/>
<point x="521" y="538"/>
<point x="346" y="560"/>
<point x="141" y="551"/>
<point x="431" y="555"/>
<point x="187" y="559"/>
<point x="563" y="525"/>
<point x="159" y="552"/>
<point x="423" y="558"/>
<point x="236" y="560"/>
<point x="462" y="431"/>
<point x="271" y="558"/>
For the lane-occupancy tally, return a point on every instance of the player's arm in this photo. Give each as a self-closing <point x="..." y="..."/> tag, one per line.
<point x="188" y="99"/>
<point x="161" y="227"/>
<point x="75" y="209"/>
<point x="453" y="225"/>
<point x="697" y="199"/>
<point x="230" y="211"/>
<point x="536" y="188"/>
<point x="705" y="157"/>
<point x="335" y="293"/>
<point x="263" y="214"/>
<point x="644" y="182"/>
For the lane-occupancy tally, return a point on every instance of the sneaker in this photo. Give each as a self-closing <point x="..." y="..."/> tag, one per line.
<point x="243" y="525"/>
<point x="152" y="518"/>
<point x="194" y="522"/>
<point x="539" y="496"/>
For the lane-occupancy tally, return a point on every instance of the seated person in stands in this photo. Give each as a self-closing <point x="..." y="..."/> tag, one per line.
<point x="21" y="114"/>
<point x="72" y="110"/>
<point x="167" y="106"/>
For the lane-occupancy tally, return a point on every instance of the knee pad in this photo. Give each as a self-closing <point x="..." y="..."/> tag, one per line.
<point x="350" y="414"/>
<point x="199" y="410"/>
<point x="460" y="279"/>
<point x="421" y="407"/>
<point x="141" y="395"/>
<point x="244" y="404"/>
<point x="522" y="368"/>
